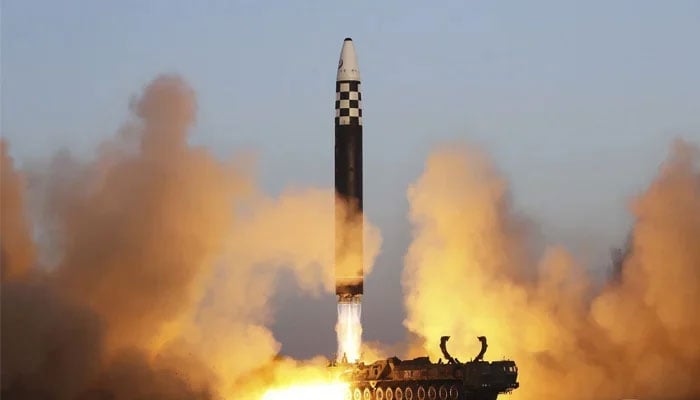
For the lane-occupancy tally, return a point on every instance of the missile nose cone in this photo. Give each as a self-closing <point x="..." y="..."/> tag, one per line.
<point x="348" y="69"/>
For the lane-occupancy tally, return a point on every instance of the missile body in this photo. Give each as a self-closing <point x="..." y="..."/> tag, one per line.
<point x="348" y="178"/>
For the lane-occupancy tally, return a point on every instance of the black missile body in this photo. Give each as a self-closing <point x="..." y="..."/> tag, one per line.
<point x="348" y="176"/>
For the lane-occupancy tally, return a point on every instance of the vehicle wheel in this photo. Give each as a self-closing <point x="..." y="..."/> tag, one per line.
<point x="409" y="393"/>
<point x="368" y="394"/>
<point x="389" y="394"/>
<point x="398" y="393"/>
<point x="454" y="392"/>
<point x="421" y="393"/>
<point x="432" y="393"/>
<point x="379" y="394"/>
<point x="442" y="392"/>
<point x="348" y="394"/>
<point x="358" y="394"/>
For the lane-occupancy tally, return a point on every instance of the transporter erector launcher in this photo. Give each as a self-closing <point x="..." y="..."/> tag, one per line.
<point x="349" y="267"/>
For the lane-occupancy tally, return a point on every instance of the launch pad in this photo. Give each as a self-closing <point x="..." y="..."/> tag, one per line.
<point x="421" y="379"/>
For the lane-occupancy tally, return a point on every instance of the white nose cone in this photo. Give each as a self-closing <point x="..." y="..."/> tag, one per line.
<point x="348" y="69"/>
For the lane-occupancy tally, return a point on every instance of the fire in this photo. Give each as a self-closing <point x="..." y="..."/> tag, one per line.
<point x="325" y="391"/>
<point x="349" y="331"/>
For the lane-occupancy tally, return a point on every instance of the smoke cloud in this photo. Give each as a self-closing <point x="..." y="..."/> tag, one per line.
<point x="16" y="246"/>
<point x="466" y="274"/>
<point x="164" y="262"/>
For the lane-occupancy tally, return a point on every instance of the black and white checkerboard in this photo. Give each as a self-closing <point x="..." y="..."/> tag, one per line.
<point x="348" y="103"/>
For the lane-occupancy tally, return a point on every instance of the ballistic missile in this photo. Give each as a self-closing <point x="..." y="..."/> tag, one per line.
<point x="349" y="266"/>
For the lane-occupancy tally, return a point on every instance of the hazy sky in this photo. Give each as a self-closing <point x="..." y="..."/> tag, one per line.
<point x="576" y="101"/>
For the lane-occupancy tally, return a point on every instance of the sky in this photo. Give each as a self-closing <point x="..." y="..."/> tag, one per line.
<point x="577" y="103"/>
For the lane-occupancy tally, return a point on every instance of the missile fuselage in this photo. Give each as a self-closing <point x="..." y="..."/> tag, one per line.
<point x="348" y="177"/>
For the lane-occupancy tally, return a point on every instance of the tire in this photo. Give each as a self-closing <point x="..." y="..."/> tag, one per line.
<point x="398" y="393"/>
<point x="432" y="393"/>
<point x="389" y="394"/>
<point x="454" y="392"/>
<point x="379" y="394"/>
<point x="358" y="394"/>
<point x="442" y="392"/>
<point x="348" y="394"/>
<point x="421" y="393"/>
<point x="368" y="394"/>
<point x="409" y="393"/>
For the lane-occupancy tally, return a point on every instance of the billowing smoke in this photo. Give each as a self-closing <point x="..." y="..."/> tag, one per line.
<point x="152" y="268"/>
<point x="468" y="273"/>
<point x="16" y="248"/>
<point x="163" y="262"/>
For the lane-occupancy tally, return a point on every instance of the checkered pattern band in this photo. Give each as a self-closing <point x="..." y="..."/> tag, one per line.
<point x="348" y="103"/>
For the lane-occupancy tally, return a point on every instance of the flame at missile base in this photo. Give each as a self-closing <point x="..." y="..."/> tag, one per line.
<point x="325" y="391"/>
<point x="349" y="331"/>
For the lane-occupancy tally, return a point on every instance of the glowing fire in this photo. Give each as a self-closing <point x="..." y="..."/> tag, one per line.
<point x="330" y="391"/>
<point x="349" y="331"/>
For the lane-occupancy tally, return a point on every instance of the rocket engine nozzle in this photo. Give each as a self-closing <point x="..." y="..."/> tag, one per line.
<point x="349" y="298"/>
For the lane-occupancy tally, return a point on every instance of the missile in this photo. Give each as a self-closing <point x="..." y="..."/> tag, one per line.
<point x="349" y="267"/>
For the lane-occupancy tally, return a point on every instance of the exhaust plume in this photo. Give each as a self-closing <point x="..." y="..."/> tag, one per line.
<point x="349" y="331"/>
<point x="466" y="275"/>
